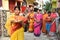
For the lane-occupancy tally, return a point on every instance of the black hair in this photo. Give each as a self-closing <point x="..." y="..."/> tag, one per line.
<point x="49" y="12"/>
<point x="38" y="9"/>
<point x="31" y="6"/>
<point x="35" y="9"/>
<point x="16" y="7"/>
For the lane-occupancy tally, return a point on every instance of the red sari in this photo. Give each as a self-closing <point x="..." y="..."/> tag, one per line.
<point x="53" y="26"/>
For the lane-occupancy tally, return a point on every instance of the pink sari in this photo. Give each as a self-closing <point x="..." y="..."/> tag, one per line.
<point x="37" y="26"/>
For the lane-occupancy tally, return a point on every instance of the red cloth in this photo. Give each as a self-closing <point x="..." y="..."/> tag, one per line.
<point x="53" y="15"/>
<point x="17" y="25"/>
<point x="48" y="19"/>
<point x="23" y="8"/>
<point x="53" y="27"/>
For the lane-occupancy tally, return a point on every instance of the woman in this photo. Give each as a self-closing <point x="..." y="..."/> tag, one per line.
<point x="14" y="25"/>
<point x="45" y="15"/>
<point x="31" y="20"/>
<point x="38" y="23"/>
<point x="48" y="22"/>
<point x="53" y="25"/>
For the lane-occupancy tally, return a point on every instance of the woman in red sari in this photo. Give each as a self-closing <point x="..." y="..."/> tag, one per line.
<point x="53" y="25"/>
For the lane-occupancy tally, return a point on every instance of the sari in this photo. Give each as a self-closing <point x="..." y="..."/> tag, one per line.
<point x="44" y="23"/>
<point x="31" y="22"/>
<point x="15" y="30"/>
<point x="53" y="26"/>
<point x="37" y="25"/>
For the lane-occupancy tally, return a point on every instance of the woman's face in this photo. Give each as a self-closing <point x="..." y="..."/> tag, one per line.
<point x="38" y="11"/>
<point x="17" y="11"/>
<point x="44" y="11"/>
<point x="49" y="14"/>
<point x="31" y="8"/>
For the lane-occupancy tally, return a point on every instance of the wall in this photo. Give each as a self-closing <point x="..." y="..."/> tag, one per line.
<point x="54" y="0"/>
<point x="5" y="4"/>
<point x="58" y="3"/>
<point x="54" y="3"/>
<point x="0" y="2"/>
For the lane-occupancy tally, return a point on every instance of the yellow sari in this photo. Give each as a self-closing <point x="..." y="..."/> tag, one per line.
<point x="17" y="34"/>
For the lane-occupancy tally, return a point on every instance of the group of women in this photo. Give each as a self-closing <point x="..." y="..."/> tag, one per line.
<point x="45" y="23"/>
<point x="36" y="21"/>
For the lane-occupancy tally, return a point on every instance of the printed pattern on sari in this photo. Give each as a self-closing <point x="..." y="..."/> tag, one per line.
<point x="37" y="25"/>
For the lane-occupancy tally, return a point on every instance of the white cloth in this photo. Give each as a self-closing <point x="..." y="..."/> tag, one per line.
<point x="1" y="8"/>
<point x="57" y="22"/>
<point x="51" y="33"/>
<point x="21" y="14"/>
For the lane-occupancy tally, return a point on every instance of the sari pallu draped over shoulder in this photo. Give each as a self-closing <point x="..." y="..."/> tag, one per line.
<point x="44" y="23"/>
<point x="16" y="26"/>
<point x="31" y="21"/>
<point x="37" y="25"/>
<point x="15" y="30"/>
<point x="53" y="25"/>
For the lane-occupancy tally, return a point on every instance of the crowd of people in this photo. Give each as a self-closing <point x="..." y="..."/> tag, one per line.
<point x="38" y="22"/>
<point x="32" y="21"/>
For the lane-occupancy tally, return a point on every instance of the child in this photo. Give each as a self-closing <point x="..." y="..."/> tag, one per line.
<point x="48" y="22"/>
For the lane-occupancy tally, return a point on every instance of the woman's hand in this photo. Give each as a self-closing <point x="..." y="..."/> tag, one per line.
<point x="16" y="21"/>
<point x="37" y="21"/>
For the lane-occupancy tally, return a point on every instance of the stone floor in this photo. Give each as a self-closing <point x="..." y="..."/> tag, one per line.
<point x="30" y="36"/>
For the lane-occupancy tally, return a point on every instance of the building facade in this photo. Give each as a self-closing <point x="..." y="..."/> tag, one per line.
<point x="58" y="6"/>
<point x="40" y="3"/>
<point x="10" y="4"/>
<point x="58" y="3"/>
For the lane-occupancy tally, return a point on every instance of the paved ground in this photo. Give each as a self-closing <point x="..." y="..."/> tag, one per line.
<point x="30" y="36"/>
